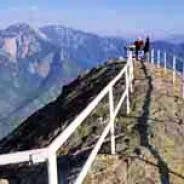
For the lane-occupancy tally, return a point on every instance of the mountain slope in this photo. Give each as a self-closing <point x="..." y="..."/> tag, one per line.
<point x="36" y="63"/>
<point x="30" y="67"/>
<point x="82" y="47"/>
<point x="44" y="125"/>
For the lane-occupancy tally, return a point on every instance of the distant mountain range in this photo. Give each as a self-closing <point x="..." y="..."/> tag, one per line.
<point x="36" y="63"/>
<point x="175" y="39"/>
<point x="84" y="48"/>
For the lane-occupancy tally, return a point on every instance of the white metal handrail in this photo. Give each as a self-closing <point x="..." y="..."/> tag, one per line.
<point x="49" y="154"/>
<point x="173" y="64"/>
<point x="24" y="156"/>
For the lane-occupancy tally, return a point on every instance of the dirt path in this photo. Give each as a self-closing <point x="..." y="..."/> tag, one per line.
<point x="155" y="128"/>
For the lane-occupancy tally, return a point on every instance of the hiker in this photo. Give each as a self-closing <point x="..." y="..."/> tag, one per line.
<point x="138" y="47"/>
<point x="146" y="49"/>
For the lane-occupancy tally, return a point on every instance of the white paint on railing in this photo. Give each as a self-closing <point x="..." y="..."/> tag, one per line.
<point x="174" y="69"/>
<point x="122" y="99"/>
<point x="61" y="139"/>
<point x="34" y="156"/>
<point x="110" y="127"/>
<point x="52" y="168"/>
<point x="127" y="92"/>
<point x="112" y="117"/>
<point x="132" y="68"/>
<point x="131" y="75"/>
<point x="165" y="62"/>
<point x="92" y="156"/>
<point x="183" y="81"/>
<point x="158" y="58"/>
<point x="152" y="56"/>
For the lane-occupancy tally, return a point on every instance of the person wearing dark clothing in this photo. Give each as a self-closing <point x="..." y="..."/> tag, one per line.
<point x="138" y="46"/>
<point x="147" y="49"/>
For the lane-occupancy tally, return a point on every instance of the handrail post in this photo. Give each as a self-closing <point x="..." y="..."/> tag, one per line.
<point x="131" y="75"/>
<point x="149" y="57"/>
<point x="127" y="90"/>
<point x="111" y="105"/>
<point x="52" y="169"/>
<point x="183" y="80"/>
<point x="127" y="53"/>
<point x="174" y="69"/>
<point x="165" y="62"/>
<point x="158" y="58"/>
<point x="132" y="66"/>
<point x="152" y="56"/>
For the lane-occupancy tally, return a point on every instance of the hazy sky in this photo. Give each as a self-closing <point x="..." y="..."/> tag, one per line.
<point x="105" y="17"/>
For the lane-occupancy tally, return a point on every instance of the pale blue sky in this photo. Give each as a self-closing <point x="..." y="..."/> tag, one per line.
<point x="105" y="17"/>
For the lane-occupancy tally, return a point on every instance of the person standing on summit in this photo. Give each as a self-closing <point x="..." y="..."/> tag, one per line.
<point x="138" y="46"/>
<point x="147" y="49"/>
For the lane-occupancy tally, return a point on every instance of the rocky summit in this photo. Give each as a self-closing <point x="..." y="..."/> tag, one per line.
<point x="155" y="131"/>
<point x="149" y="141"/>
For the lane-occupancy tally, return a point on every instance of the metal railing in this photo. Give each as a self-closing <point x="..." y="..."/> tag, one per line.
<point x="169" y="61"/>
<point x="49" y="154"/>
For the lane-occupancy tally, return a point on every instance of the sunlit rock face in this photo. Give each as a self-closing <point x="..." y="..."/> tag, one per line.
<point x="10" y="46"/>
<point x="30" y="73"/>
<point x="43" y="69"/>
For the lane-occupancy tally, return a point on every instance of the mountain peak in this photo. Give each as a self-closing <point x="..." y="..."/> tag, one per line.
<point x="17" y="29"/>
<point x="20" y="26"/>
